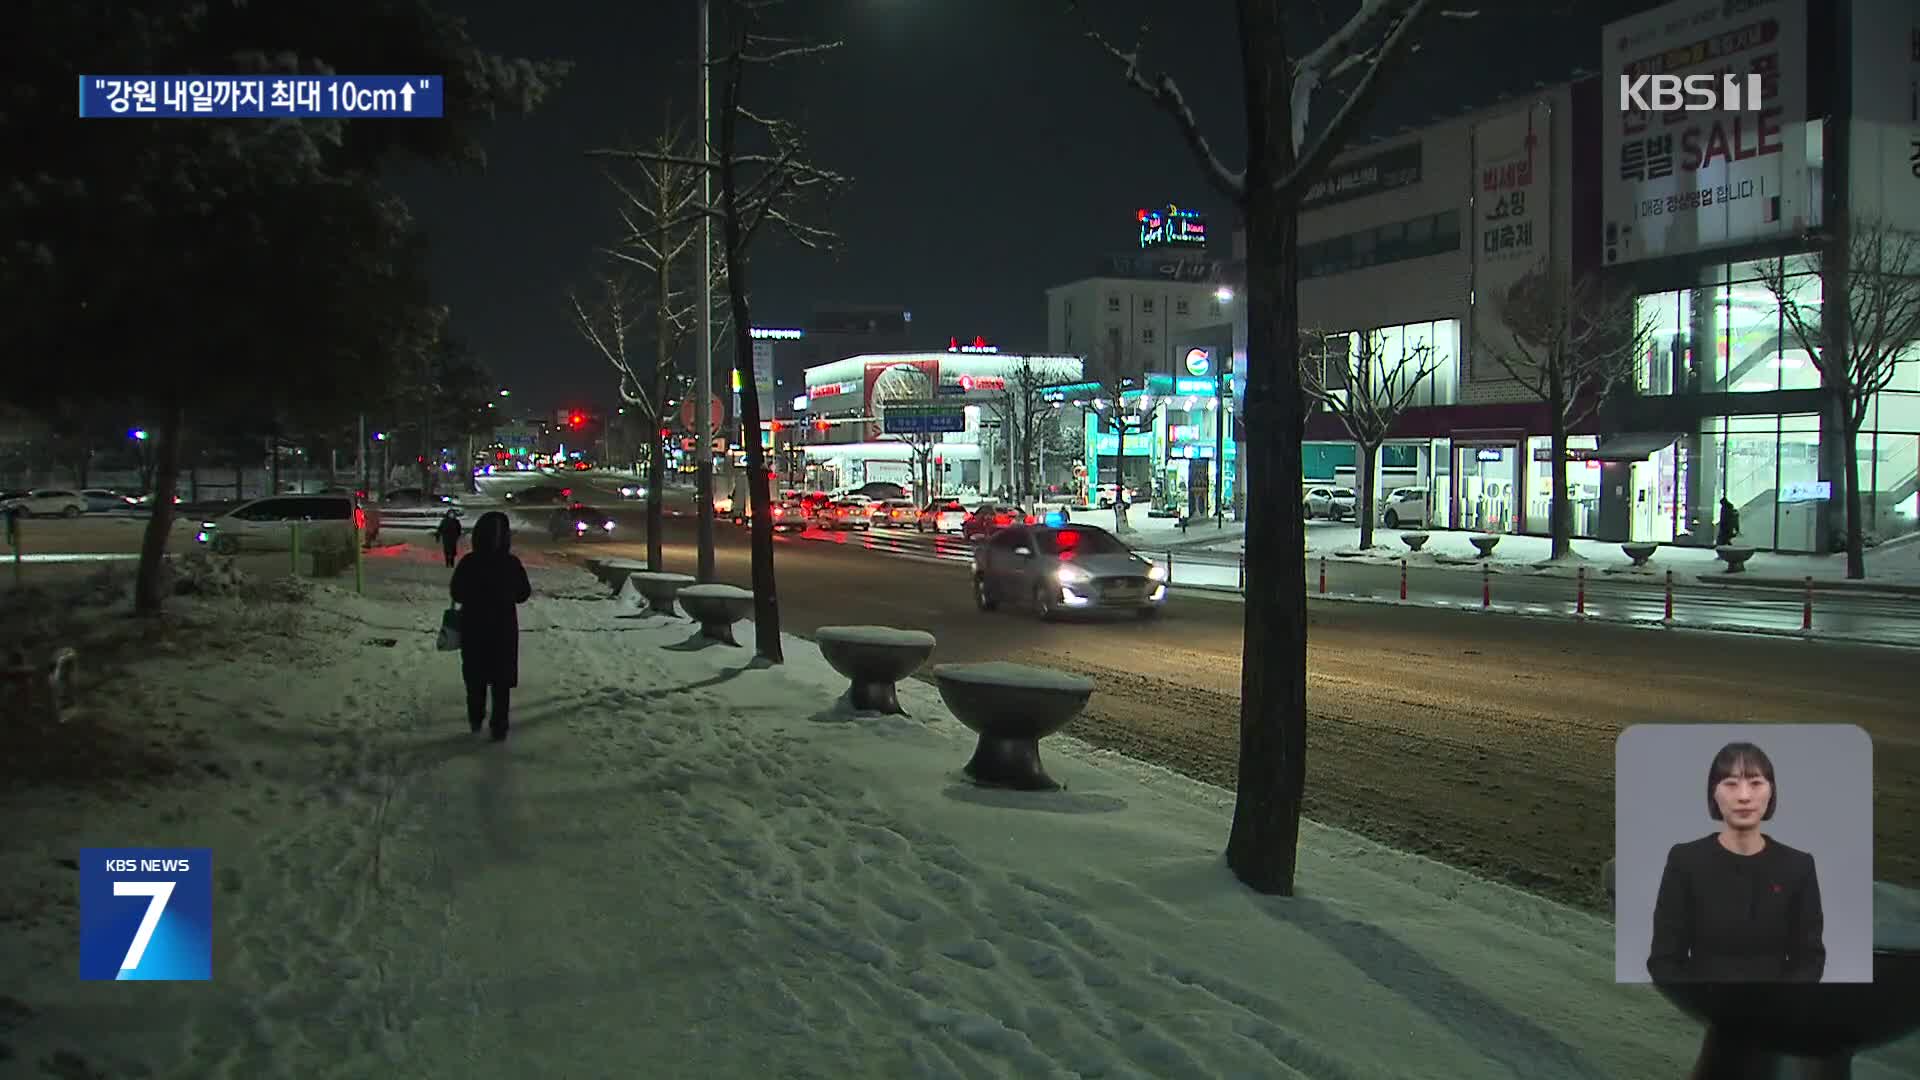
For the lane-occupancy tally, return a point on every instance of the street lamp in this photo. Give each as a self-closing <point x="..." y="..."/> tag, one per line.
<point x="504" y="392"/>
<point x="1223" y="294"/>
<point x="138" y="434"/>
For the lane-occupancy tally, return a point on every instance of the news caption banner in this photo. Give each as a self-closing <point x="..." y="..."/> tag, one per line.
<point x="159" y="97"/>
<point x="146" y="914"/>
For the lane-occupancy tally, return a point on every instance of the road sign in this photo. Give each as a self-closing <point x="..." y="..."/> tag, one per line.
<point x="688" y="419"/>
<point x="922" y="419"/>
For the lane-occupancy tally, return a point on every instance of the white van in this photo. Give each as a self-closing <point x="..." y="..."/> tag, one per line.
<point x="267" y="524"/>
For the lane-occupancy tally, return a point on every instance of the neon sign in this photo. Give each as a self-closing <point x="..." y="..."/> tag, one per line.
<point x="982" y="382"/>
<point x="1172" y="226"/>
<point x="977" y="345"/>
<point x="766" y="333"/>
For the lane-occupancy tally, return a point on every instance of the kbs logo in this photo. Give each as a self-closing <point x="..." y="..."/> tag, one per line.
<point x="146" y="913"/>
<point x="1692" y="93"/>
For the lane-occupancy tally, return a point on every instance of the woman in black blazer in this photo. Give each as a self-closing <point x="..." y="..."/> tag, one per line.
<point x="1738" y="905"/>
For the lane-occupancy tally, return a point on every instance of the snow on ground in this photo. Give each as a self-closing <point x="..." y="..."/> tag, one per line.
<point x="686" y="864"/>
<point x="1895" y="563"/>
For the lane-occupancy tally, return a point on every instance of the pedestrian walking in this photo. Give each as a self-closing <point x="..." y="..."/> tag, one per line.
<point x="1729" y="523"/>
<point x="487" y="586"/>
<point x="448" y="533"/>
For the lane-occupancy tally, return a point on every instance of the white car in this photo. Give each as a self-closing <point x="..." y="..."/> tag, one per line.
<point x="1104" y="495"/>
<point x="1328" y="502"/>
<point x="101" y="500"/>
<point x="267" y="524"/>
<point x="49" y="502"/>
<point x="1405" y="507"/>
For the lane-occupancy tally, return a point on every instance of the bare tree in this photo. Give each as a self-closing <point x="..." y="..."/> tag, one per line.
<point x="1112" y="379"/>
<point x="764" y="179"/>
<point x="1367" y="384"/>
<point x="1570" y="342"/>
<point x="1880" y="299"/>
<point x="920" y="446"/>
<point x="653" y="266"/>
<point x="1279" y="86"/>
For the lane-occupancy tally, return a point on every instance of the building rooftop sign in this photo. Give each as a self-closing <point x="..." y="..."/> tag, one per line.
<point x="763" y="333"/>
<point x="977" y="345"/>
<point x="1171" y="227"/>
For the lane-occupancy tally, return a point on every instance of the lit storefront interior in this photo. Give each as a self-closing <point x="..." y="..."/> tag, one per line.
<point x="1727" y="338"/>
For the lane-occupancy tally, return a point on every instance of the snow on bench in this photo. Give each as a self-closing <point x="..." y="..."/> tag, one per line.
<point x="716" y="608"/>
<point x="1011" y="707"/>
<point x="874" y="659"/>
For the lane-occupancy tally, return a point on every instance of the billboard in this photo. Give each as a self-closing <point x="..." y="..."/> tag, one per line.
<point x="1679" y="180"/>
<point x="1886" y="112"/>
<point x="1369" y="174"/>
<point x="1171" y="227"/>
<point x="898" y="380"/>
<point x="1512" y="217"/>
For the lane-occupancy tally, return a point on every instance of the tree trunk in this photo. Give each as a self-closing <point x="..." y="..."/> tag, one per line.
<point x="1856" y="534"/>
<point x="150" y="587"/>
<point x="273" y="461"/>
<point x="1369" y="461"/>
<point x="1560" y="506"/>
<point x="1263" y="846"/>
<point x="766" y="603"/>
<point x="85" y="468"/>
<point x="1120" y="524"/>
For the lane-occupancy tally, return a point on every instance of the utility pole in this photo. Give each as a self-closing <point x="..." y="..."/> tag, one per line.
<point x="362" y="462"/>
<point x="703" y="349"/>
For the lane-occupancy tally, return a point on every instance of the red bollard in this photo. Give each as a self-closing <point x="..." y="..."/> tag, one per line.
<point x="1806" y="608"/>
<point x="1403" y="579"/>
<point x="1486" y="586"/>
<point x="1323" y="575"/>
<point x="1580" y="594"/>
<point x="1669" y="615"/>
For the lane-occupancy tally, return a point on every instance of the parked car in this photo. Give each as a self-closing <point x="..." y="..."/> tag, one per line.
<point x="1334" y="503"/>
<point x="579" y="522"/>
<point x="941" y="516"/>
<point x="1104" y="495"/>
<point x="101" y="500"/>
<point x="267" y="524"/>
<point x="896" y="513"/>
<point x="1069" y="568"/>
<point x="1405" y="506"/>
<point x="413" y="496"/>
<point x="880" y="490"/>
<point x="990" y="518"/>
<point x="851" y="513"/>
<point x="46" y="502"/>
<point x="790" y="515"/>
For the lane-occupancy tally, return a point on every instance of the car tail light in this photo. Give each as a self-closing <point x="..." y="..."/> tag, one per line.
<point x="777" y="511"/>
<point x="1031" y="520"/>
<point x="1003" y="520"/>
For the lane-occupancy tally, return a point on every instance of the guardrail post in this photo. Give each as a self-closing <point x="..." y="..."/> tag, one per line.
<point x="1403" y="579"/>
<point x="295" y="547"/>
<point x="1669" y="614"/>
<point x="1580" y="593"/>
<point x="1323" y="575"/>
<point x="1243" y="572"/>
<point x="1169" y="566"/>
<point x="1486" y="586"/>
<point x="1806" y="608"/>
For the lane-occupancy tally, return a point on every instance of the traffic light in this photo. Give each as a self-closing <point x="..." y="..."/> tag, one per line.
<point x="577" y="420"/>
<point x="776" y="427"/>
<point x="820" y="425"/>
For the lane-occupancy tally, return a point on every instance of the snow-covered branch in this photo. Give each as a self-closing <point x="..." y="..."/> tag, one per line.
<point x="1165" y="95"/>
<point x="1343" y="50"/>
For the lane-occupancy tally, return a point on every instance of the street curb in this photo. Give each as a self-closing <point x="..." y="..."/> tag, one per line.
<point x="1828" y="585"/>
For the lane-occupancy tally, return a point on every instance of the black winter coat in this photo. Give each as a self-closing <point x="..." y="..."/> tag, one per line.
<point x="487" y="585"/>
<point x="1723" y="917"/>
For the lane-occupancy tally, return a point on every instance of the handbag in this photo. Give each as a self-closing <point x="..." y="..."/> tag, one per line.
<point x="449" y="630"/>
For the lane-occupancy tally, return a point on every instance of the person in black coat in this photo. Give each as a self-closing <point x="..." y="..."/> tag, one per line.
<point x="448" y="533"/>
<point x="487" y="585"/>
<point x="1729" y="523"/>
<point x="1738" y="906"/>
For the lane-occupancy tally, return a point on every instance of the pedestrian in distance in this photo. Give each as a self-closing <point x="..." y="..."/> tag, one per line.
<point x="487" y="586"/>
<point x="1729" y="523"/>
<point x="448" y="533"/>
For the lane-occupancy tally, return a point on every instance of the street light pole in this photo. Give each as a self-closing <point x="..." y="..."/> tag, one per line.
<point x="703" y="350"/>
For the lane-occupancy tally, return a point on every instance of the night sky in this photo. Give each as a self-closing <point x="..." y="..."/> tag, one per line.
<point x="995" y="153"/>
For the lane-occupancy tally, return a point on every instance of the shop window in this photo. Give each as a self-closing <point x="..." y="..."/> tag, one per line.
<point x="1446" y="362"/>
<point x="1667" y="317"/>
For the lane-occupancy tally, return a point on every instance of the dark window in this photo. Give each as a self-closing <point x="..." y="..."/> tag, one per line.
<point x="1446" y="230"/>
<point x="1146" y="334"/>
<point x="1146" y="305"/>
<point x="266" y="510"/>
<point x="1419" y="233"/>
<point x="322" y="509"/>
<point x="1179" y="307"/>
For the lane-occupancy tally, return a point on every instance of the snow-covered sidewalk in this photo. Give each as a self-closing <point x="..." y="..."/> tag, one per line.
<point x="1895" y="564"/>
<point x="685" y="865"/>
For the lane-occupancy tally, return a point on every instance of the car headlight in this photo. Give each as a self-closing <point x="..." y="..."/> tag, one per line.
<point x="1156" y="572"/>
<point x="579" y="526"/>
<point x="608" y="526"/>
<point x="1071" y="574"/>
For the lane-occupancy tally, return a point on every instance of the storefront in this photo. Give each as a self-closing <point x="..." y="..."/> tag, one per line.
<point x="1174" y="447"/>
